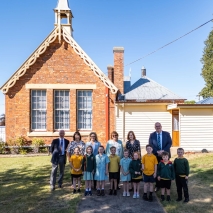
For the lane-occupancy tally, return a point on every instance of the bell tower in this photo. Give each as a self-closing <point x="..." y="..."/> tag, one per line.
<point x="63" y="11"/>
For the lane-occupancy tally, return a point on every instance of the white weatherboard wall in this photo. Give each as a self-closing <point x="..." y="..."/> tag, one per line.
<point x="141" y="119"/>
<point x="196" y="129"/>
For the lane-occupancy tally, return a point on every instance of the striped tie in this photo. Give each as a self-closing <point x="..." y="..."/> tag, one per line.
<point x="159" y="143"/>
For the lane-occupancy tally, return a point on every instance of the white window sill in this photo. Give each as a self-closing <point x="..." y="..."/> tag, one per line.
<point x="55" y="134"/>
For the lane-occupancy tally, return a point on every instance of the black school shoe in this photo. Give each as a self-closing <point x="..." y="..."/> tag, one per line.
<point x="186" y="200"/>
<point x="102" y="192"/>
<point x="90" y="193"/>
<point x="178" y="199"/>
<point x="145" y="197"/>
<point x="79" y="191"/>
<point x="162" y="197"/>
<point x="98" y="192"/>
<point x="86" y="193"/>
<point x="74" y="191"/>
<point x="115" y="192"/>
<point x="150" y="198"/>
<point x="168" y="198"/>
<point x="110" y="192"/>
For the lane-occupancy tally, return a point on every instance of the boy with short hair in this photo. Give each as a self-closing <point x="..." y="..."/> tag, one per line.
<point x="113" y="170"/>
<point x="165" y="175"/>
<point x="149" y="167"/>
<point x="181" y="166"/>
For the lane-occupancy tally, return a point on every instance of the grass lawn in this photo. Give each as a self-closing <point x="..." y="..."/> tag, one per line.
<point x="200" y="187"/>
<point x="24" y="187"/>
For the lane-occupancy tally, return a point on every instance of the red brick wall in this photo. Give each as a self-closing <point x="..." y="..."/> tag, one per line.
<point x="59" y="64"/>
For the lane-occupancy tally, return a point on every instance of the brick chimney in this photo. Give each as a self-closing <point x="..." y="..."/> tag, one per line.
<point x="110" y="70"/>
<point x="119" y="69"/>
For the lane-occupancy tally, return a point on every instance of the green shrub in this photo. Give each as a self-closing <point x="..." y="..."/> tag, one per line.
<point x="37" y="142"/>
<point x="2" y="148"/>
<point x="21" y="141"/>
<point x="22" y="151"/>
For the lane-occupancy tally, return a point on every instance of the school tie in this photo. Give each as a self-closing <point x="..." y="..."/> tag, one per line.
<point x="159" y="143"/>
<point x="61" y="146"/>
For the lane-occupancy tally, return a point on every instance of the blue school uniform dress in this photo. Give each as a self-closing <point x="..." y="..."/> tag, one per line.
<point x="124" y="163"/>
<point x="101" y="162"/>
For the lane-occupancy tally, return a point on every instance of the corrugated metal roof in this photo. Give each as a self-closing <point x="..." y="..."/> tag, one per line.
<point x="145" y="88"/>
<point x="206" y="101"/>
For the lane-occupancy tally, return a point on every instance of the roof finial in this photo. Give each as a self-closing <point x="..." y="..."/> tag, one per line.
<point x="62" y="5"/>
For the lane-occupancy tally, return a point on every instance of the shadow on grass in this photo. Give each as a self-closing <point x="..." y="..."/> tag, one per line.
<point x="200" y="186"/>
<point x="26" y="188"/>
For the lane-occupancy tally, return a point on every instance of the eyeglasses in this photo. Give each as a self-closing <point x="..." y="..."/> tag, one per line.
<point x="114" y="135"/>
<point x="92" y="136"/>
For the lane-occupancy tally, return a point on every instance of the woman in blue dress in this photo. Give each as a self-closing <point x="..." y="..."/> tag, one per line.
<point x="101" y="172"/>
<point x="125" y="174"/>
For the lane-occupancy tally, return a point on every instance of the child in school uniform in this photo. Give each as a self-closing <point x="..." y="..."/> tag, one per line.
<point x="149" y="167"/>
<point x="125" y="173"/>
<point x="165" y="175"/>
<point x="181" y="166"/>
<point x="101" y="162"/>
<point x="113" y="170"/>
<point x="88" y="168"/>
<point x="135" y="168"/>
<point x="76" y="168"/>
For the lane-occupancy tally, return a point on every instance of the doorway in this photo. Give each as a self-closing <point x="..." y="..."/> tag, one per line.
<point x="175" y="128"/>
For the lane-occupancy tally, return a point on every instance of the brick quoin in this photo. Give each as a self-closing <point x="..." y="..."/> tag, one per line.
<point x="59" y="65"/>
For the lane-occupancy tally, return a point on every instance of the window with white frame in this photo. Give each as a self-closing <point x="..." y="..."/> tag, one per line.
<point x="38" y="109"/>
<point x="84" y="103"/>
<point x="62" y="109"/>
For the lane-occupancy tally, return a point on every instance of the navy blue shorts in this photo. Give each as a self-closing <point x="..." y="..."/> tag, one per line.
<point x="148" y="178"/>
<point x="165" y="184"/>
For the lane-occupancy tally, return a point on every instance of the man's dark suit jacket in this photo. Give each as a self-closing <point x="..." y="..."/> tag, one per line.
<point x="166" y="142"/>
<point x="56" y="151"/>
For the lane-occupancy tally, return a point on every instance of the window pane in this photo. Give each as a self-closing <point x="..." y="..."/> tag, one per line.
<point x="84" y="104"/>
<point x="62" y="109"/>
<point x="38" y="109"/>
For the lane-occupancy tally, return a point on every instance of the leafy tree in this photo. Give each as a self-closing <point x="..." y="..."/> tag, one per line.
<point x="2" y="120"/>
<point x="190" y="102"/>
<point x="207" y="70"/>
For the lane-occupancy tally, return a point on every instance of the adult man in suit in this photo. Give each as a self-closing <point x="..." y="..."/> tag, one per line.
<point x="160" y="141"/>
<point x="58" y="149"/>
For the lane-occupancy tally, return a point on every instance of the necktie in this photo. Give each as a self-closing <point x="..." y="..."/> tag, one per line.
<point x="61" y="146"/>
<point x="159" y="143"/>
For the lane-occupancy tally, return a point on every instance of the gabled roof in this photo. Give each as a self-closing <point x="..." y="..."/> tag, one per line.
<point x="42" y="48"/>
<point x="208" y="100"/>
<point x="147" y="89"/>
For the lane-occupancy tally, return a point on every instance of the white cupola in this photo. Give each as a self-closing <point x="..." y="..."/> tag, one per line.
<point x="63" y="11"/>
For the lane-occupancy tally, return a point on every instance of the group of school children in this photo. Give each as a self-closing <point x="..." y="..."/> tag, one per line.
<point x="131" y="172"/>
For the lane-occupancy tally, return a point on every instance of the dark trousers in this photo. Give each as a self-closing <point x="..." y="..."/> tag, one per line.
<point x="53" y="175"/>
<point x="157" y="182"/>
<point x="182" y="184"/>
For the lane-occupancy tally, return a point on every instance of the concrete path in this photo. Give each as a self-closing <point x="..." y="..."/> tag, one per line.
<point x="118" y="204"/>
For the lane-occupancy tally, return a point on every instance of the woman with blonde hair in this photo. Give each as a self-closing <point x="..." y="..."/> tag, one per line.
<point x="94" y="143"/>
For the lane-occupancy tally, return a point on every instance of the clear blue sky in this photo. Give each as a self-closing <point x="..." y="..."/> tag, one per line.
<point x="140" y="26"/>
